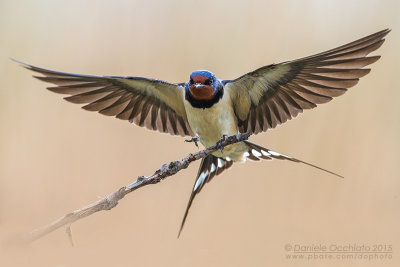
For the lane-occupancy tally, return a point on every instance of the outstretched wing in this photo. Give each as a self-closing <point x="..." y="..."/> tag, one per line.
<point x="273" y="94"/>
<point x="154" y="104"/>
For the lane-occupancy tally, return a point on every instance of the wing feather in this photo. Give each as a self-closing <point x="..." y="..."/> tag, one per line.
<point x="140" y="100"/>
<point x="273" y="94"/>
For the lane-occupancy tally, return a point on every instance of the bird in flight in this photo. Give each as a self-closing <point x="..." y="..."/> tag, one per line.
<point x="207" y="108"/>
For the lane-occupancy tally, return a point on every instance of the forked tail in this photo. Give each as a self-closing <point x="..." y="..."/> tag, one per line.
<point x="212" y="165"/>
<point x="257" y="152"/>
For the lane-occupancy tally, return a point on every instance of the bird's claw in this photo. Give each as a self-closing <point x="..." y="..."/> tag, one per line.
<point x="195" y="140"/>
<point x="219" y="143"/>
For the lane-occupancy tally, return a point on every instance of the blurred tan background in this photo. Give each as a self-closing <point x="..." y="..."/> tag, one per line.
<point x="55" y="157"/>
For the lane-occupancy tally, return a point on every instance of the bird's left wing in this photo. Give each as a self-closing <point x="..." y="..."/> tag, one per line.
<point x="273" y="94"/>
<point x="154" y="104"/>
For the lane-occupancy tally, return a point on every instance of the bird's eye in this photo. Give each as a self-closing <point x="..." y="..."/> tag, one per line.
<point x="191" y="80"/>
<point x="207" y="82"/>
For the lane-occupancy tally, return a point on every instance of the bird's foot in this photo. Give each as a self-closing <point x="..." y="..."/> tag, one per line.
<point x="239" y="135"/>
<point x="195" y="140"/>
<point x="219" y="143"/>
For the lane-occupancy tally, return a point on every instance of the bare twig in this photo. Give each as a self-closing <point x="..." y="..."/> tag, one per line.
<point x="69" y="233"/>
<point x="112" y="199"/>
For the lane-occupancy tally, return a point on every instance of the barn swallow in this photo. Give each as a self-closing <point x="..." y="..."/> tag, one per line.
<point x="207" y="108"/>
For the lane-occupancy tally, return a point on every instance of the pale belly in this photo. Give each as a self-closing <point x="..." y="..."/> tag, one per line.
<point x="211" y="124"/>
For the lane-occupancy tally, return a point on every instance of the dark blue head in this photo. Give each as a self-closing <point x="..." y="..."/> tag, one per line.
<point x="203" y="89"/>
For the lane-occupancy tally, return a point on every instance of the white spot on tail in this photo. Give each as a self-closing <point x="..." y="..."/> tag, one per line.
<point x="200" y="180"/>
<point x="221" y="163"/>
<point x="273" y="153"/>
<point x="212" y="168"/>
<point x="256" y="153"/>
<point x="265" y="153"/>
<point x="278" y="155"/>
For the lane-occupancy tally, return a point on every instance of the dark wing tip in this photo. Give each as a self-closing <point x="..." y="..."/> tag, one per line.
<point x="25" y="65"/>
<point x="382" y="32"/>
<point x="48" y="72"/>
<point x="18" y="61"/>
<point x="372" y="60"/>
<point x="386" y="31"/>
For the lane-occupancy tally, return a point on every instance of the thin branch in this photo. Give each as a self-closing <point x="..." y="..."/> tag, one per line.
<point x="112" y="199"/>
<point x="69" y="233"/>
